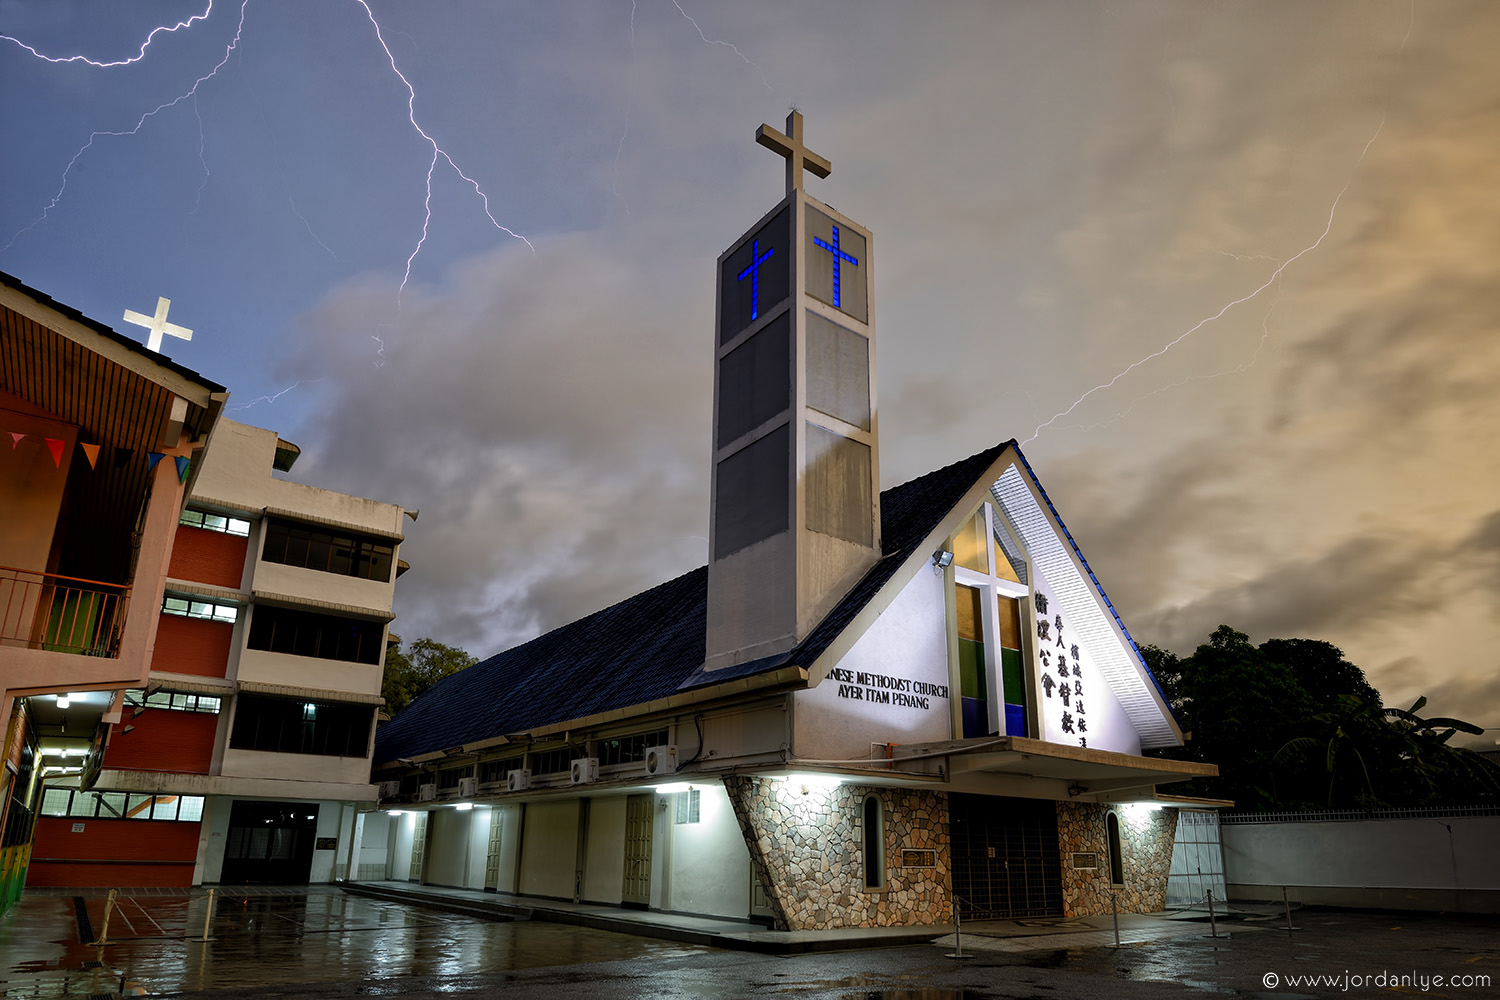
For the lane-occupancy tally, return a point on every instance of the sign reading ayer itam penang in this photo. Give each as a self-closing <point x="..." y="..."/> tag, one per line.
<point x="883" y="689"/>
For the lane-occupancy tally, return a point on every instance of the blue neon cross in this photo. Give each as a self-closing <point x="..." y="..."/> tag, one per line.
<point x="838" y="255"/>
<point x="756" y="260"/>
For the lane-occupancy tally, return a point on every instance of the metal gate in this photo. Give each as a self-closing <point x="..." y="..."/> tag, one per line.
<point x="639" y="812"/>
<point x="1005" y="860"/>
<point x="270" y="842"/>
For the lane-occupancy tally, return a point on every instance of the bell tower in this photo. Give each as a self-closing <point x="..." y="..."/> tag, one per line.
<point x="795" y="499"/>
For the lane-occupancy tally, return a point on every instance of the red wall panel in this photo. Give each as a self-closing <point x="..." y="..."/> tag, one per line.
<point x="192" y="646"/>
<point x="211" y="557"/>
<point x="113" y="853"/>
<point x="162" y="740"/>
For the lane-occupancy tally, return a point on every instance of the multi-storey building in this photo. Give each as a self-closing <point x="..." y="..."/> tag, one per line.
<point x="100" y="441"/>
<point x="251" y="735"/>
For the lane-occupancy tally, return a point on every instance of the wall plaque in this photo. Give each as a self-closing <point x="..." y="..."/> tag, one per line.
<point x="1085" y="859"/>
<point x="326" y="844"/>
<point x="918" y="859"/>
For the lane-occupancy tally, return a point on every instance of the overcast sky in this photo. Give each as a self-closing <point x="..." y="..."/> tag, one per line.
<point x="1268" y="231"/>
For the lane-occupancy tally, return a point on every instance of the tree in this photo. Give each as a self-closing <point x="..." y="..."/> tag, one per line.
<point x="1321" y="669"/>
<point x="1166" y="667"/>
<point x="1240" y="706"/>
<point x="409" y="674"/>
<point x="1292" y="724"/>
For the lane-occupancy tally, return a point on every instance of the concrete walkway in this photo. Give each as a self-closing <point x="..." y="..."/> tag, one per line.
<point x="987" y="935"/>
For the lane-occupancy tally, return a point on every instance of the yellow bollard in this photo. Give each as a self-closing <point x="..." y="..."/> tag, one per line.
<point x="208" y="915"/>
<point x="109" y="905"/>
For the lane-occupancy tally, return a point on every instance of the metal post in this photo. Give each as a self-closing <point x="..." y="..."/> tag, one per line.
<point x="1286" y="906"/>
<point x="958" y="939"/>
<point x="208" y="914"/>
<point x="109" y="906"/>
<point x="1115" y="912"/>
<point x="1212" y="922"/>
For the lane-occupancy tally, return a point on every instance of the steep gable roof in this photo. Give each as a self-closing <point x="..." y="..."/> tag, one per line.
<point x="648" y="646"/>
<point x="1053" y="550"/>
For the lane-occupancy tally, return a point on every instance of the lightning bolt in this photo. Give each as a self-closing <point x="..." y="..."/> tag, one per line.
<point x="380" y="352"/>
<point x="202" y="142"/>
<point x="614" y="184"/>
<point x="727" y="45"/>
<point x="1265" y="334"/>
<point x="1275" y="276"/>
<point x="191" y="92"/>
<point x="163" y="29"/>
<point x="437" y="152"/>
<point x="272" y="399"/>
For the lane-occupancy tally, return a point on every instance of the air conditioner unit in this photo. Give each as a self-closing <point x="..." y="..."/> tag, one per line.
<point x="661" y="760"/>
<point x="467" y="787"/>
<point x="427" y="793"/>
<point x="390" y="789"/>
<point x="585" y="770"/>
<point x="517" y="781"/>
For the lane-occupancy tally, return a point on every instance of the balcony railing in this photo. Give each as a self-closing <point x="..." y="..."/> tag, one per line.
<point x="64" y="614"/>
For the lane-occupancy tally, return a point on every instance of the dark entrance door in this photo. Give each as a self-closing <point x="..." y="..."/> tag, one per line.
<point x="1005" y="862"/>
<point x="270" y="842"/>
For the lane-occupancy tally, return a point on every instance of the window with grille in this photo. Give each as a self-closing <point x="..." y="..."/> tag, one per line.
<point x="121" y="805"/>
<point x="628" y="749"/>
<point x="192" y="607"/>
<point x="328" y="550"/>
<point x="553" y="761"/>
<point x="282" y="725"/>
<point x="214" y="522"/>
<point x="687" y="806"/>
<point x="174" y="701"/>
<point x="307" y="633"/>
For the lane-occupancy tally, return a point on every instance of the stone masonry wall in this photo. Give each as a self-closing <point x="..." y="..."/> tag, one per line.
<point x="806" y="843"/>
<point x="1146" y="837"/>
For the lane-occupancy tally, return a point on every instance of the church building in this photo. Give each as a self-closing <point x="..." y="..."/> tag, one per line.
<point x="868" y="709"/>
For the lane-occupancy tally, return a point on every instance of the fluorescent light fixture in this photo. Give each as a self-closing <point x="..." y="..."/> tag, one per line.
<point x="63" y="701"/>
<point x="674" y="787"/>
<point x="463" y="806"/>
<point x="816" y="780"/>
<point x="395" y="812"/>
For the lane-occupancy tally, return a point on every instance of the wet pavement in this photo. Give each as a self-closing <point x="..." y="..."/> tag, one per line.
<point x="322" y="942"/>
<point x="154" y="943"/>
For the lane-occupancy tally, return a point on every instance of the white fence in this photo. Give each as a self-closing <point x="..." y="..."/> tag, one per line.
<point x="1427" y="859"/>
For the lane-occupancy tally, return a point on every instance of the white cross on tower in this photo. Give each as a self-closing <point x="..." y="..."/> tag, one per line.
<point x="158" y="324"/>
<point x="797" y="155"/>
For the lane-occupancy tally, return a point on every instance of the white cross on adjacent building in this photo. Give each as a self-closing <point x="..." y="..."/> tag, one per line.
<point x="158" y="324"/>
<point x="797" y="155"/>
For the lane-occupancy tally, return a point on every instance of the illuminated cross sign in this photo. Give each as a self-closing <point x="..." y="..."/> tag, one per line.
<point x="838" y="257"/>
<point x="756" y="260"/>
<point x="158" y="324"/>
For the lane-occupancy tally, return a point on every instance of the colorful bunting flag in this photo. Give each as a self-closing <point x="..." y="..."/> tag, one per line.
<point x="91" y="452"/>
<point x="182" y="467"/>
<point x="55" y="445"/>
<point x="15" y="438"/>
<point x="152" y="457"/>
